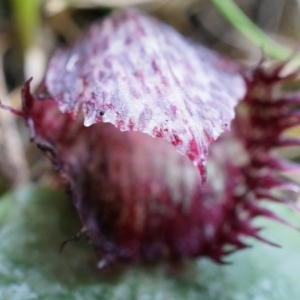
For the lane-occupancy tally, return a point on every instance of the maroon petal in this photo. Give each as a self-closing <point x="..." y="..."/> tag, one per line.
<point x="243" y="168"/>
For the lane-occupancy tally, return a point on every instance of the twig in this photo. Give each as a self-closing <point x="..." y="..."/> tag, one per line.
<point x="10" y="136"/>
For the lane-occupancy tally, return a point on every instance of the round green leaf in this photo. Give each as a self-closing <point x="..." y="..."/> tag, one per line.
<point x="34" y="221"/>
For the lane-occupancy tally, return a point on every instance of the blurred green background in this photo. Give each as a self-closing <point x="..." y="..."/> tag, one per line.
<point x="36" y="219"/>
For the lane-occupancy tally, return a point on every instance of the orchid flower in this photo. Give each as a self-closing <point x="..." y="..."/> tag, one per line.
<point x="166" y="147"/>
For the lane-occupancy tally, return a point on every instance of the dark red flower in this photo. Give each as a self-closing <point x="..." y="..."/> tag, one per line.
<point x="118" y="102"/>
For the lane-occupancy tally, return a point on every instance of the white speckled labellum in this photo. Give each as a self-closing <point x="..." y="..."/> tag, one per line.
<point x="140" y="75"/>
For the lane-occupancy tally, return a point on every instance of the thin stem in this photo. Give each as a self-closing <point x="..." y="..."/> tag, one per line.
<point x="26" y="15"/>
<point x="243" y="24"/>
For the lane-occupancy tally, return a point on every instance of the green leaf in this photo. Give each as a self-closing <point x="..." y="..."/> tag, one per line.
<point x="35" y="221"/>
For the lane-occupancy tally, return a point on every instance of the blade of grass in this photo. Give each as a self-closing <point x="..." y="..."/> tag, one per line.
<point x="244" y="25"/>
<point x="26" y="14"/>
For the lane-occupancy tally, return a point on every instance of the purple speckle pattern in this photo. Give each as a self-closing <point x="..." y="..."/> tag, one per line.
<point x="141" y="75"/>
